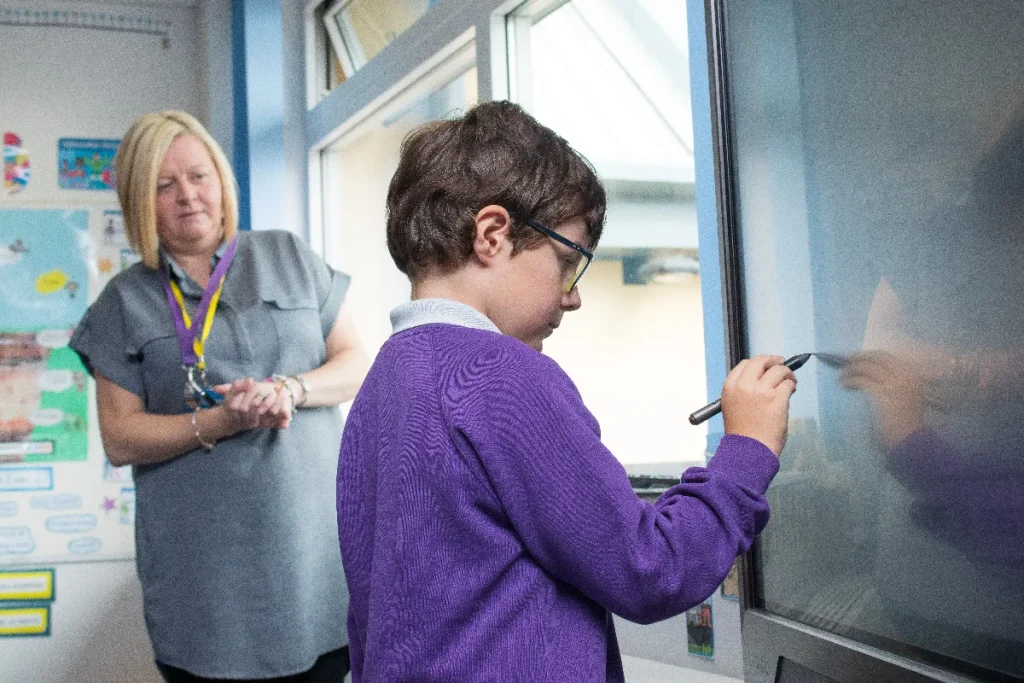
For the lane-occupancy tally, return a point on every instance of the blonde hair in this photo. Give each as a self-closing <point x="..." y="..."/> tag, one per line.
<point x="137" y="165"/>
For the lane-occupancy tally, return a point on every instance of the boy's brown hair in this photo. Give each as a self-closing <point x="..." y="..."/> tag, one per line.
<point x="494" y="154"/>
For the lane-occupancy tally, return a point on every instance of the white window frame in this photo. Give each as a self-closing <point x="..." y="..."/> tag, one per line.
<point x="350" y="52"/>
<point x="434" y="38"/>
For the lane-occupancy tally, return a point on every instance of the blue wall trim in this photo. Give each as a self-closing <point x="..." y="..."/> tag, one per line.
<point x="257" y="46"/>
<point x="707" y="212"/>
<point x="241" y="113"/>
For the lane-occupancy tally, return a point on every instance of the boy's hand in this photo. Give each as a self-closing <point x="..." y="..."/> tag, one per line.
<point x="755" y="400"/>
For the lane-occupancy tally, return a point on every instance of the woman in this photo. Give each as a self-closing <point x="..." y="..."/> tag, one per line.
<point x="236" y="533"/>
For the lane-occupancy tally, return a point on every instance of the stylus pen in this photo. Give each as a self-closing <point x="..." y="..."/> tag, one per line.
<point x="714" y="408"/>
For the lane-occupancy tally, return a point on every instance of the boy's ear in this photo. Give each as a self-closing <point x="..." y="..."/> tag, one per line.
<point x="493" y="233"/>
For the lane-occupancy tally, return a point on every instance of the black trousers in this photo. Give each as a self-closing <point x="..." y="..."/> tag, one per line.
<point x="329" y="668"/>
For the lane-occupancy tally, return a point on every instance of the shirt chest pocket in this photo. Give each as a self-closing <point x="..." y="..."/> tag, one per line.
<point x="158" y="358"/>
<point x="294" y="319"/>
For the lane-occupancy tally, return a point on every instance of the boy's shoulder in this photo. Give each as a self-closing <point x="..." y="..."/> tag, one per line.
<point x="475" y="360"/>
<point x="477" y="374"/>
<point x="484" y="353"/>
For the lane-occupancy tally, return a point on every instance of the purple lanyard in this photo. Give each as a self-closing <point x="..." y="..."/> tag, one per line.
<point x="187" y="335"/>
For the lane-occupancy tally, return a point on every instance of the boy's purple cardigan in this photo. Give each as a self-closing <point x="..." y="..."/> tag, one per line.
<point x="486" y="532"/>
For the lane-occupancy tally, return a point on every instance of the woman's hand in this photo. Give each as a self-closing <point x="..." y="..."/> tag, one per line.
<point x="249" y="404"/>
<point x="755" y="400"/>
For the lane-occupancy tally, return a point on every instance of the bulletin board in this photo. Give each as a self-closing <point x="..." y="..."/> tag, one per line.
<point x="60" y="500"/>
<point x="75" y="75"/>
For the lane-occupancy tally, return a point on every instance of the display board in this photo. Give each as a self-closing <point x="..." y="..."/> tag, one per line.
<point x="60" y="500"/>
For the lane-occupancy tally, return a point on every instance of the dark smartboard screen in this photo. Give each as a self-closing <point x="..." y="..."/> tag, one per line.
<point x="879" y="163"/>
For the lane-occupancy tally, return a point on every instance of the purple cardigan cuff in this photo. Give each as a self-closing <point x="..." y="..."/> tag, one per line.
<point x="750" y="462"/>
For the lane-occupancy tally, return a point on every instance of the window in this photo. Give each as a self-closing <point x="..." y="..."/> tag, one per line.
<point x="359" y="29"/>
<point x="613" y="79"/>
<point x="357" y="170"/>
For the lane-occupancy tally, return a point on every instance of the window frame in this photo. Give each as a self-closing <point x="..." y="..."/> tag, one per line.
<point x="434" y="38"/>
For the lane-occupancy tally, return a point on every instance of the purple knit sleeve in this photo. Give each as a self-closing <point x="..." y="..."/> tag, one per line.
<point x="571" y="503"/>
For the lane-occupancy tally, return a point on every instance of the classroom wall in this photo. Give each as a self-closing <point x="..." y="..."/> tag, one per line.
<point x="74" y="82"/>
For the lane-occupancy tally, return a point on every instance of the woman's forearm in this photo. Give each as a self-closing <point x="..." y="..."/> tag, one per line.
<point x="147" y="439"/>
<point x="339" y="378"/>
<point x="334" y="382"/>
<point x="132" y="436"/>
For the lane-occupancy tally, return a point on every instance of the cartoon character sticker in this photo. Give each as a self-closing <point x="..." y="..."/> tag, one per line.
<point x="17" y="169"/>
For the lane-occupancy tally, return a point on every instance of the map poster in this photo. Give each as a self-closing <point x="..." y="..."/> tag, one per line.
<point x="43" y="278"/>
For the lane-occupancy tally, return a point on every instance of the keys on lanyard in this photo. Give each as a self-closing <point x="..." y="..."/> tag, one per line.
<point x="192" y="339"/>
<point x="198" y="393"/>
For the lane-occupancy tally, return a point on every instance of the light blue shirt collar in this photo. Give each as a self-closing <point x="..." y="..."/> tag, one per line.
<point x="179" y="272"/>
<point x="447" y="311"/>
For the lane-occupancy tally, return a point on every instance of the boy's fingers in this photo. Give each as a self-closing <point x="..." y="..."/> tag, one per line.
<point x="776" y="374"/>
<point x="734" y="374"/>
<point x="758" y="365"/>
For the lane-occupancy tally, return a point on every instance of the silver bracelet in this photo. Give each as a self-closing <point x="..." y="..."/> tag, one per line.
<point x="305" y="387"/>
<point x="195" y="428"/>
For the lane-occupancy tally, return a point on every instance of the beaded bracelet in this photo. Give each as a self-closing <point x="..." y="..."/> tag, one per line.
<point x="305" y="387"/>
<point x="281" y="381"/>
<point x="195" y="428"/>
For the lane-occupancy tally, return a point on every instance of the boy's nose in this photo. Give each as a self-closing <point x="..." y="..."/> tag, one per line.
<point x="572" y="300"/>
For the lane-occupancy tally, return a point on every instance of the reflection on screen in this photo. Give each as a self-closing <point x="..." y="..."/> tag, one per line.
<point x="880" y="163"/>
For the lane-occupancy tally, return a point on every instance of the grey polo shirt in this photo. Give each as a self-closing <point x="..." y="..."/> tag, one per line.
<point x="236" y="549"/>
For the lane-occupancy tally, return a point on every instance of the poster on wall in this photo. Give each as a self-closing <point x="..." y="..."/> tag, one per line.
<point x="731" y="585"/>
<point x="700" y="631"/>
<point x="59" y="502"/>
<point x="113" y="253"/>
<point x="43" y="417"/>
<point x="17" y="169"/>
<point x="84" y="164"/>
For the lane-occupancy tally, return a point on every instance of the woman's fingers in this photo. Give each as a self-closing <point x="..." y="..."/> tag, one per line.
<point x="257" y="404"/>
<point x="274" y="403"/>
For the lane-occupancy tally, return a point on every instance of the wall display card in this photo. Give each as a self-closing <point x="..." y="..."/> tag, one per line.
<point x="25" y="620"/>
<point x="700" y="631"/>
<point x="27" y="585"/>
<point x="731" y="585"/>
<point x="42" y="278"/>
<point x="17" y="168"/>
<point x="86" y="164"/>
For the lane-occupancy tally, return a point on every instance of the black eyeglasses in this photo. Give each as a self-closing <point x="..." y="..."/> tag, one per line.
<point x="581" y="267"/>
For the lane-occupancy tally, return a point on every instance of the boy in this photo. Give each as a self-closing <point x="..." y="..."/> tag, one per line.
<point x="487" y="534"/>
